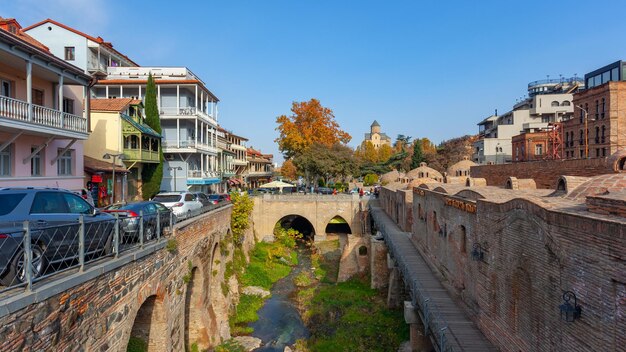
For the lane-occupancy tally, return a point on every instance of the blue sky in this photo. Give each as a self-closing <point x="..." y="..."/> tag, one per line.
<point x="421" y="68"/>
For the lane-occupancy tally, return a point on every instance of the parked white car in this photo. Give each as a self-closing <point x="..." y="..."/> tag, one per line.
<point x="181" y="203"/>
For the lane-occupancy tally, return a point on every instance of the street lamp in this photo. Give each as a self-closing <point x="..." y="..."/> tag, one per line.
<point x="586" y="139"/>
<point x="108" y="156"/>
<point x="175" y="168"/>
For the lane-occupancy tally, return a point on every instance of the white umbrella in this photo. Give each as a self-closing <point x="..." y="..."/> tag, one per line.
<point x="277" y="184"/>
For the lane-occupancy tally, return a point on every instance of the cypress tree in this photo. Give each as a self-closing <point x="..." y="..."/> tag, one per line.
<point x="152" y="174"/>
<point x="418" y="155"/>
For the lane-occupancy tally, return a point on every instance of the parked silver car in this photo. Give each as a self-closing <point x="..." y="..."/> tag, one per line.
<point x="181" y="203"/>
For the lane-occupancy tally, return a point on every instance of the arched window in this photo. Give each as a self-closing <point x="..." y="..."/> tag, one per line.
<point x="554" y="103"/>
<point x="561" y="185"/>
<point x="621" y="164"/>
<point x="362" y="250"/>
<point x="603" y="134"/>
<point x="566" y="103"/>
<point x="603" y="107"/>
<point x="580" y="141"/>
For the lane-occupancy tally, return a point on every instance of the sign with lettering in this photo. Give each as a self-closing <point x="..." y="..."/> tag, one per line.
<point x="459" y="204"/>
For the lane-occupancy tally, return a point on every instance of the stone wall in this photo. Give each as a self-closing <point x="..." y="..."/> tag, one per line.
<point x="149" y="296"/>
<point x="543" y="172"/>
<point x="318" y="210"/>
<point x="531" y="256"/>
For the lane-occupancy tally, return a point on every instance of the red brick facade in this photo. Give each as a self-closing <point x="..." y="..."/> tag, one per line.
<point x="545" y="173"/>
<point x="535" y="247"/>
<point x="606" y="122"/>
<point x="530" y="146"/>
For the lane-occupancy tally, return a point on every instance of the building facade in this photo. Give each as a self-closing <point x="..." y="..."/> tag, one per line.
<point x="598" y="128"/>
<point x="41" y="137"/>
<point x="549" y="101"/>
<point x="376" y="137"/>
<point x="260" y="168"/>
<point x="120" y="136"/>
<point x="188" y="113"/>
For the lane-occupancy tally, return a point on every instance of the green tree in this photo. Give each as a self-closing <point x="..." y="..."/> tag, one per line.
<point x="418" y="155"/>
<point x="370" y="180"/>
<point x="152" y="174"/>
<point x="320" y="162"/>
<point x="240" y="216"/>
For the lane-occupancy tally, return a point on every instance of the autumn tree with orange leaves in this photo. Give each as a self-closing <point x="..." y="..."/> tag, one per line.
<point x="288" y="170"/>
<point x="309" y="123"/>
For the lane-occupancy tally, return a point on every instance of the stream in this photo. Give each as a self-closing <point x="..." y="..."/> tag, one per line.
<point x="279" y="323"/>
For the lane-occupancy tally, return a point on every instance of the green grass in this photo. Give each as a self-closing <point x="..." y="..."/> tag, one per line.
<point x="265" y="266"/>
<point x="264" y="269"/>
<point x="302" y="280"/>
<point x="349" y="316"/>
<point x="229" y="346"/>
<point x="136" y="344"/>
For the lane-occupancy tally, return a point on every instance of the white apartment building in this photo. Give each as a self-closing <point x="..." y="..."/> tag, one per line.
<point x="549" y="101"/>
<point x="188" y="112"/>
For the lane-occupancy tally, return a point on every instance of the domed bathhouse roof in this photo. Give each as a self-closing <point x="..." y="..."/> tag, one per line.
<point x="424" y="171"/>
<point x="462" y="168"/>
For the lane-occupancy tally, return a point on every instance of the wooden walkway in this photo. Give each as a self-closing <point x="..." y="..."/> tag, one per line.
<point x="450" y="327"/>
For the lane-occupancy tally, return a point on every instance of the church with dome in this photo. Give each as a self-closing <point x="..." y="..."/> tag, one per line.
<point x="376" y="137"/>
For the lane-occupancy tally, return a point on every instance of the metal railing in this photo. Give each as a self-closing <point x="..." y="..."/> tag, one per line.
<point x="30" y="253"/>
<point x="432" y="317"/>
<point x="18" y="110"/>
<point x="202" y="174"/>
<point x="556" y="80"/>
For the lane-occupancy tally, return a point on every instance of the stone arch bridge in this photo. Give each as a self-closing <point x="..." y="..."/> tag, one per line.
<point x="319" y="210"/>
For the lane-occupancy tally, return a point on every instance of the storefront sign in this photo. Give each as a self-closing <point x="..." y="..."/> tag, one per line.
<point x="96" y="178"/>
<point x="459" y="204"/>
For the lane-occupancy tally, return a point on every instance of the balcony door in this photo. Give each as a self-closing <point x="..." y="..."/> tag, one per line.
<point x="5" y="88"/>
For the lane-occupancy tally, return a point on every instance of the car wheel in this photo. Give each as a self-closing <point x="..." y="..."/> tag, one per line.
<point x="15" y="273"/>
<point x="149" y="234"/>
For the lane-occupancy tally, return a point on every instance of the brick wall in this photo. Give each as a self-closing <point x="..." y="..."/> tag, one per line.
<point x="545" y="173"/>
<point x="99" y="314"/>
<point x="531" y="257"/>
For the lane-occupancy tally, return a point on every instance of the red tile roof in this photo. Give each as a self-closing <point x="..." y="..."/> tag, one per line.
<point x="98" y="40"/>
<point x="6" y="23"/>
<point x="115" y="105"/>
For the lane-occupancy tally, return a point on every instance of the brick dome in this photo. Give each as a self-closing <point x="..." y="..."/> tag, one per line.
<point x="424" y="171"/>
<point x="462" y="168"/>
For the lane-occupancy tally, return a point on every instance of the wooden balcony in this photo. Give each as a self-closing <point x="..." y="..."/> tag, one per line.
<point x="141" y="155"/>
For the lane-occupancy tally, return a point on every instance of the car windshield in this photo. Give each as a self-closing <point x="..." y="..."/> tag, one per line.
<point x="166" y="198"/>
<point x="8" y="202"/>
<point x="116" y="206"/>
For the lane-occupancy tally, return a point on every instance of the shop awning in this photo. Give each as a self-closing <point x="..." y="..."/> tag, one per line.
<point x="94" y="165"/>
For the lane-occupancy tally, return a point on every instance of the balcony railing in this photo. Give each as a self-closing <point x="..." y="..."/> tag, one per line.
<point x="202" y="174"/>
<point x="186" y="111"/>
<point x="187" y="144"/>
<point x="18" y="110"/>
<point x="141" y="155"/>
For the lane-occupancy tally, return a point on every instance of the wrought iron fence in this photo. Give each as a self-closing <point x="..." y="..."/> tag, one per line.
<point x="30" y="253"/>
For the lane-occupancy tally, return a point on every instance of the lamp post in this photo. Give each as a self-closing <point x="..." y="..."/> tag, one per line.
<point x="586" y="139"/>
<point x="175" y="168"/>
<point x="109" y="156"/>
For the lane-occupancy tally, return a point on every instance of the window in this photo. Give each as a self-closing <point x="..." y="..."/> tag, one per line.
<point x="5" y="162"/>
<point x="69" y="53"/>
<point x="603" y="107"/>
<point x="602" y="140"/>
<point x="554" y="103"/>
<point x="8" y="202"/>
<point x="539" y="149"/>
<point x="5" y="89"/>
<point x="77" y="205"/>
<point x="12" y="29"/>
<point x="68" y="106"/>
<point x="64" y="164"/>
<point x="566" y="103"/>
<point x="597" y="109"/>
<point x="49" y="203"/>
<point x="38" y="97"/>
<point x="188" y="198"/>
<point x="35" y="163"/>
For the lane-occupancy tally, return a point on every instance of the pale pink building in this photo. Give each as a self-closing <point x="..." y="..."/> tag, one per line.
<point x="41" y="128"/>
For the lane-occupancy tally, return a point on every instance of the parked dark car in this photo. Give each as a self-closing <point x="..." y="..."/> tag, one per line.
<point x="129" y="215"/>
<point x="325" y="190"/>
<point x="203" y="198"/>
<point x="53" y="217"/>
<point x="219" y="198"/>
